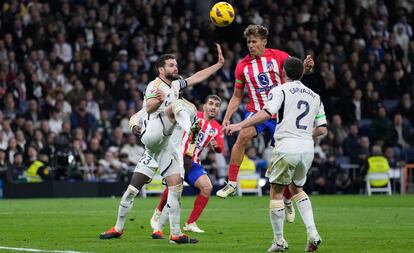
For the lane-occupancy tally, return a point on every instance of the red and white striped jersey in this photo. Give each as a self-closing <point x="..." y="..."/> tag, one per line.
<point x="209" y="130"/>
<point x="260" y="74"/>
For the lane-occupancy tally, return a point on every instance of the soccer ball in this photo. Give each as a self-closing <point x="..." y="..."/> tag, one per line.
<point x="222" y="14"/>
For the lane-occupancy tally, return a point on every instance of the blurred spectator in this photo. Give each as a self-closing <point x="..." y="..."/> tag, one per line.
<point x="55" y="122"/>
<point x="12" y="149"/>
<point x="39" y="169"/>
<point x="91" y="106"/>
<point x="132" y="149"/>
<point x="110" y="168"/>
<point x="90" y="169"/>
<point x="339" y="133"/>
<point x="380" y="126"/>
<point x="399" y="134"/>
<point x="95" y="148"/>
<point x="406" y="108"/>
<point x="33" y="111"/>
<point x="81" y="118"/>
<point x="17" y="169"/>
<point x="351" y="145"/>
<point x="3" y="166"/>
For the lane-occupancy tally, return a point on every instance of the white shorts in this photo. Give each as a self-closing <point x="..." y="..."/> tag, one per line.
<point x="287" y="168"/>
<point x="147" y="165"/>
<point x="167" y="155"/>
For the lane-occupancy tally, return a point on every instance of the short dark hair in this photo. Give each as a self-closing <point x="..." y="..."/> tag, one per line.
<point x="294" y="68"/>
<point x="160" y="63"/>
<point x="213" y="97"/>
<point x="256" y="30"/>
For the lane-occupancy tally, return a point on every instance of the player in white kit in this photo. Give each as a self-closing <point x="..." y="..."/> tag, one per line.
<point x="168" y="118"/>
<point x="301" y="116"/>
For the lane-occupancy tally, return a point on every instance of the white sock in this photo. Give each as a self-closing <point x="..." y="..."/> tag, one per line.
<point x="305" y="209"/>
<point x="173" y="206"/>
<point x="277" y="218"/>
<point x="162" y="221"/>
<point x="127" y="201"/>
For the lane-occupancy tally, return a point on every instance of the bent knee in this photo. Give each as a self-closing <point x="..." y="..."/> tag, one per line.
<point x="206" y="189"/>
<point x="245" y="136"/>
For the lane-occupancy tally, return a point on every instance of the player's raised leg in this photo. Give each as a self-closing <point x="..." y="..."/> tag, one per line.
<point x="236" y="158"/>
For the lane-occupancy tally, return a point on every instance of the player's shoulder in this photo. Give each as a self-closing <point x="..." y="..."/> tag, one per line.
<point x="200" y="115"/>
<point x="246" y="60"/>
<point x="214" y="123"/>
<point x="276" y="52"/>
<point x="155" y="83"/>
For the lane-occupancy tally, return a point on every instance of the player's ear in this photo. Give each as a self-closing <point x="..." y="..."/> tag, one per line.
<point x="265" y="41"/>
<point x="204" y="107"/>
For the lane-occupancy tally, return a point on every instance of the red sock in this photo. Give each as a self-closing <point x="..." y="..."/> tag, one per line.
<point x="233" y="172"/>
<point x="163" y="199"/>
<point x="199" y="205"/>
<point x="287" y="194"/>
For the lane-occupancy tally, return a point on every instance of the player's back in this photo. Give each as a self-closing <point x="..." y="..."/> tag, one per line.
<point x="297" y="117"/>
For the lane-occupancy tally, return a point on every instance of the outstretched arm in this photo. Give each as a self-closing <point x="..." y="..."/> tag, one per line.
<point x="205" y="73"/>
<point x="258" y="118"/>
<point x="234" y="103"/>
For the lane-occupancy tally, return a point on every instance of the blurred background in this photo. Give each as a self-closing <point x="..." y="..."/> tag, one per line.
<point x="72" y="72"/>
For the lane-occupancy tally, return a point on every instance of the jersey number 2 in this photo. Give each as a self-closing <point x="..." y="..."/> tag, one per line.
<point x="302" y="103"/>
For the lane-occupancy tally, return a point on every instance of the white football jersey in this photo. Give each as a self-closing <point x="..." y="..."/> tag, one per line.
<point x="299" y="110"/>
<point x="171" y="93"/>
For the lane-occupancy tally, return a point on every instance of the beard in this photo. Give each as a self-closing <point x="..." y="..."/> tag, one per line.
<point x="172" y="77"/>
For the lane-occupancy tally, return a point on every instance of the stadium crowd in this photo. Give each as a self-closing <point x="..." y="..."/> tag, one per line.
<point x="72" y="72"/>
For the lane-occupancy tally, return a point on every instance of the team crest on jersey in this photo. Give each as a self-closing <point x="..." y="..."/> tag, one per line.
<point x="270" y="66"/>
<point x="212" y="132"/>
<point x="263" y="79"/>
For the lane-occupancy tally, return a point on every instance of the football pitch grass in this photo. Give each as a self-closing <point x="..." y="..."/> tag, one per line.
<point x="345" y="223"/>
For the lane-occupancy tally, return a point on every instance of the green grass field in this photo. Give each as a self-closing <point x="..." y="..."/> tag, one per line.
<point x="346" y="224"/>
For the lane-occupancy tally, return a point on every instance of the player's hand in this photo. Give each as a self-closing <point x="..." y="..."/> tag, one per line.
<point x="136" y="130"/>
<point x="213" y="143"/>
<point x="308" y="64"/>
<point x="225" y="123"/>
<point x="159" y="95"/>
<point x="230" y="129"/>
<point x="220" y="56"/>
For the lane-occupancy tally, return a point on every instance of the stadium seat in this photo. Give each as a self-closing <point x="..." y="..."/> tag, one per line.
<point x="342" y="159"/>
<point x="378" y="178"/>
<point x="249" y="180"/>
<point x="363" y="126"/>
<point x="154" y="187"/>
<point x="390" y="105"/>
<point x="409" y="155"/>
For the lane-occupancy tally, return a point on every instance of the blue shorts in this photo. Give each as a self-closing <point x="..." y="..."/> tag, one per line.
<point x="192" y="176"/>
<point x="269" y="125"/>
